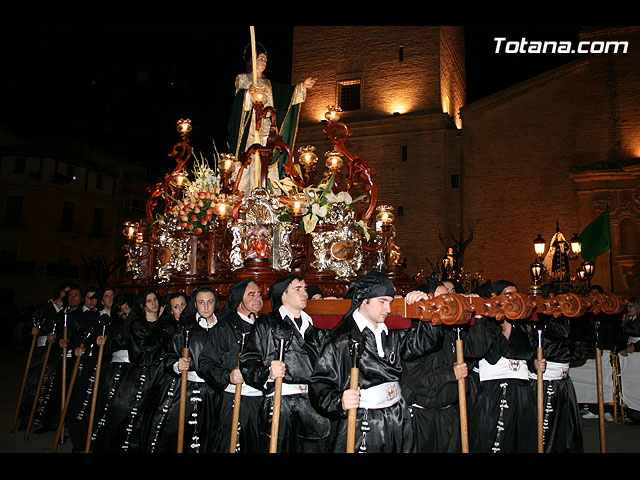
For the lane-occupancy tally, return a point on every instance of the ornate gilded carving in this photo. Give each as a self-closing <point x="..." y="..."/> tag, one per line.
<point x="337" y="245"/>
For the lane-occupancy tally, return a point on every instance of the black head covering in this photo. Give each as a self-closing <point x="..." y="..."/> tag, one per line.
<point x="236" y="293"/>
<point x="279" y="287"/>
<point x="314" y="290"/>
<point x="191" y="309"/>
<point x="89" y="290"/>
<point x="373" y="284"/>
<point x="500" y="285"/>
<point x="429" y="285"/>
<point x="483" y="290"/>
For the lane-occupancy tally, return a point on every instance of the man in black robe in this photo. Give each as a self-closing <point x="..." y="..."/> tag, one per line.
<point x="301" y="429"/>
<point x="45" y="319"/>
<point x="201" y="401"/>
<point x="383" y="419"/>
<point x="430" y="383"/>
<point x="219" y="367"/>
<point x="86" y="334"/>
<point x="50" y="402"/>
<point x="561" y="423"/>
<point x="505" y="415"/>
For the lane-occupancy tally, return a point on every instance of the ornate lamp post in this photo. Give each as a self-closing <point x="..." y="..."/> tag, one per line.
<point x="589" y="269"/>
<point x="576" y="247"/>
<point x="539" y="245"/>
<point x="537" y="268"/>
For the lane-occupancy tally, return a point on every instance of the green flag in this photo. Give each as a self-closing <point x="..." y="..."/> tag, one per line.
<point x="595" y="239"/>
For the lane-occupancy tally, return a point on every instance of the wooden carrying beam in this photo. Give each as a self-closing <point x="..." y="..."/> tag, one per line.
<point x="459" y="309"/>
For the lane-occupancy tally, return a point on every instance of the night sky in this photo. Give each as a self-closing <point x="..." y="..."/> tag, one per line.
<point x="123" y="88"/>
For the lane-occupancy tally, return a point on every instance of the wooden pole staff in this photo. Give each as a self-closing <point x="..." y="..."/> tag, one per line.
<point x="39" y="387"/>
<point x="96" y="383"/>
<point x="540" y="398"/>
<point x="65" y="407"/>
<point x="256" y="155"/>
<point x="277" y="397"/>
<point x="64" y="360"/>
<point x="353" y="413"/>
<point x="235" y="418"/>
<point x="462" y="398"/>
<point x="603" y="446"/>
<point x="24" y="379"/>
<point x="183" y="395"/>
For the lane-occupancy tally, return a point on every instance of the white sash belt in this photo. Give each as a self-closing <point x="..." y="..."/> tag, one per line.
<point x="292" y="389"/>
<point x="504" y="368"/>
<point x="120" y="356"/>
<point x="380" y="396"/>
<point x="247" y="390"/>
<point x="554" y="371"/>
<point x="193" y="377"/>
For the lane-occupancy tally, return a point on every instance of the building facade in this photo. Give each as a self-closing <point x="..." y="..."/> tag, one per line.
<point x="63" y="206"/>
<point x="553" y="150"/>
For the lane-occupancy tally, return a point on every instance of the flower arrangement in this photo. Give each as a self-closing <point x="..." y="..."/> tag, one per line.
<point x="195" y="211"/>
<point x="318" y="202"/>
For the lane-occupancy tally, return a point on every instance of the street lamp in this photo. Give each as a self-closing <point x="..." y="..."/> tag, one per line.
<point x="576" y="247"/>
<point x="539" y="246"/>
<point x="536" y="270"/>
<point x="589" y="269"/>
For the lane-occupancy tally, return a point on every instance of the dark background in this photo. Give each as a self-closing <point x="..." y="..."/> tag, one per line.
<point x="122" y="88"/>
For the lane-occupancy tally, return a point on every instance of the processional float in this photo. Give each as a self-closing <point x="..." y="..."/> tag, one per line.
<point x="204" y="230"/>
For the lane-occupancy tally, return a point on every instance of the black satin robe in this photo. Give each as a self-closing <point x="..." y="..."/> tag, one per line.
<point x="302" y="429"/>
<point x="202" y="401"/>
<point x="50" y="401"/>
<point x="45" y="318"/>
<point x="504" y="418"/>
<point x="84" y="330"/>
<point x="219" y="357"/>
<point x="562" y="429"/>
<point x="384" y="430"/>
<point x="112" y="375"/>
<point x="126" y="423"/>
<point x="430" y="387"/>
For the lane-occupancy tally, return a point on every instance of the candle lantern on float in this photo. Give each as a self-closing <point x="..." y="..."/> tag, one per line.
<point x="178" y="179"/>
<point x="333" y="113"/>
<point x="184" y="127"/>
<point x="308" y="159"/>
<point x="130" y="230"/>
<point x="226" y="166"/>
<point x="384" y="217"/>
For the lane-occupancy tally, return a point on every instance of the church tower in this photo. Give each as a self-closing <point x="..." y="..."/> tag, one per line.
<point x="400" y="91"/>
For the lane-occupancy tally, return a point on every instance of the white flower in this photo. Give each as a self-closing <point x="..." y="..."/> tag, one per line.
<point x="332" y="198"/>
<point x="309" y="221"/>
<point x="320" y="211"/>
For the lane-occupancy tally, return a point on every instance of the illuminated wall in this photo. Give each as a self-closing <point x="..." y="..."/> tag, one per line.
<point x="401" y="128"/>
